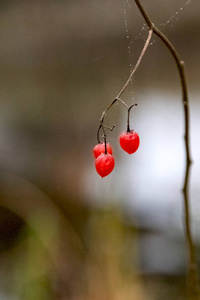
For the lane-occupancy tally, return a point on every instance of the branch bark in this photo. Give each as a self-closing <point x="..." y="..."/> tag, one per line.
<point x="193" y="284"/>
<point x="117" y="98"/>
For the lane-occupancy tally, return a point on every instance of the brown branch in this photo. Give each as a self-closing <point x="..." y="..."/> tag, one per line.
<point x="137" y="64"/>
<point x="192" y="264"/>
<point x="117" y="98"/>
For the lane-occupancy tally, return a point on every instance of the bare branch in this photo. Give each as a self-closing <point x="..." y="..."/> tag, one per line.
<point x="117" y="98"/>
<point x="192" y="265"/>
<point x="137" y="64"/>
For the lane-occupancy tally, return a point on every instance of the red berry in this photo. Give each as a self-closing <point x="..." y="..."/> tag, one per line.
<point x="100" y="148"/>
<point x="104" y="164"/>
<point x="129" y="141"/>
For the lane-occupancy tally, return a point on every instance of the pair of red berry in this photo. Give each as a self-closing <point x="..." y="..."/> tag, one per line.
<point x="129" y="141"/>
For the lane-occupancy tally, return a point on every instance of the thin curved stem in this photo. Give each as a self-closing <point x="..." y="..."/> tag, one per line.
<point x="105" y="143"/>
<point x="137" y="64"/>
<point x="128" y="117"/>
<point x="117" y="98"/>
<point x="192" y="265"/>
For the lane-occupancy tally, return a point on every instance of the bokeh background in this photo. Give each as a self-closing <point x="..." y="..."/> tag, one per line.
<point x="66" y="233"/>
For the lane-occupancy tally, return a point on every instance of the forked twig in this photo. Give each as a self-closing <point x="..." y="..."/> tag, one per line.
<point x="117" y="98"/>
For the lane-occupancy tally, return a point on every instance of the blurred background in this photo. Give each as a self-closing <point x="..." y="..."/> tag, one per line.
<point x="66" y="233"/>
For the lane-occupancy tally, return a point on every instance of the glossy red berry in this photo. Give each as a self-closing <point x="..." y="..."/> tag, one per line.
<point x="104" y="164"/>
<point x="129" y="141"/>
<point x="100" y="148"/>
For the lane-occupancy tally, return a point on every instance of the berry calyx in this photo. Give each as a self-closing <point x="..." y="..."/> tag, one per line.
<point x="104" y="164"/>
<point x="129" y="141"/>
<point x="100" y="148"/>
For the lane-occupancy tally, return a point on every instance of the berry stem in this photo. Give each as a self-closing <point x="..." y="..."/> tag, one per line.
<point x="105" y="144"/>
<point x="104" y="137"/>
<point x="128" y="117"/>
